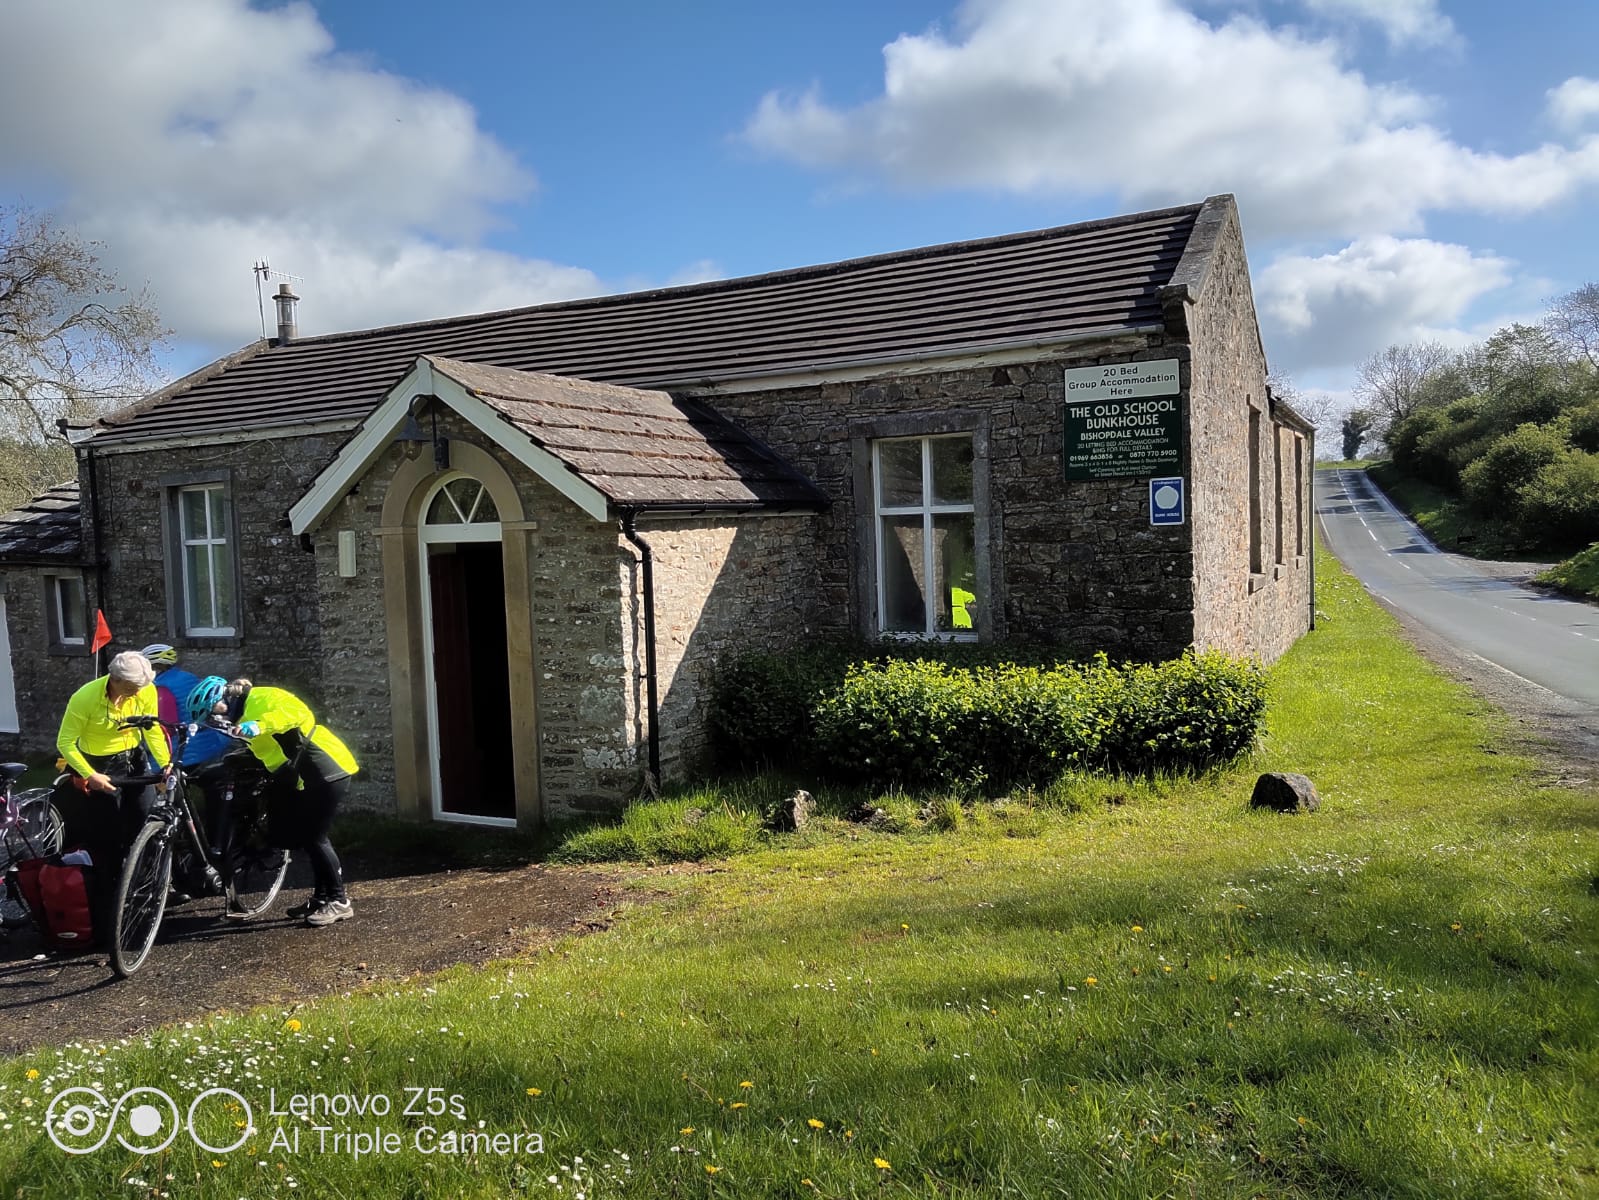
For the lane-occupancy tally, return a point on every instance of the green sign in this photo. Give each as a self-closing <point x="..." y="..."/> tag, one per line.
<point x="1112" y="437"/>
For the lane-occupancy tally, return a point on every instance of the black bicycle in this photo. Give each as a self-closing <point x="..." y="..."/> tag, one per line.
<point x="244" y="867"/>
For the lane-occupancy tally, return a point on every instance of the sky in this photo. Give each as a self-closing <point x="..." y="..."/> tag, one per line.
<point x="1404" y="169"/>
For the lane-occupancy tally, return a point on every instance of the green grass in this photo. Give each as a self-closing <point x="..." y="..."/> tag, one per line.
<point x="1118" y="989"/>
<point x="1577" y="576"/>
<point x="1443" y="517"/>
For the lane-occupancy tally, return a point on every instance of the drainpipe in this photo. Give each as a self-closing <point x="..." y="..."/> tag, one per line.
<point x="84" y="456"/>
<point x="1312" y="522"/>
<point x="629" y="517"/>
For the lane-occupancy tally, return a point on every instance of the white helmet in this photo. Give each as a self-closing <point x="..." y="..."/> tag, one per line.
<point x="160" y="655"/>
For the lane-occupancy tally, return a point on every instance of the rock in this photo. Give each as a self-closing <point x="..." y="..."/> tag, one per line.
<point x="792" y="813"/>
<point x="1285" y="792"/>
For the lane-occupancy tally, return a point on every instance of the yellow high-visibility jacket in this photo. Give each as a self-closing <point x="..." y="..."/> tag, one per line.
<point x="89" y="726"/>
<point x="287" y="727"/>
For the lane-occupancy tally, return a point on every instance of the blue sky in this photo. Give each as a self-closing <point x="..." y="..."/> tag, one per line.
<point x="1405" y="168"/>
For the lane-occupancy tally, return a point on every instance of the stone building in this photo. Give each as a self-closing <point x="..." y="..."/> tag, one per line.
<point x="502" y="554"/>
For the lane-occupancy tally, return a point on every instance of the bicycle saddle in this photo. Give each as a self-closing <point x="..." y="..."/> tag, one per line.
<point x="10" y="771"/>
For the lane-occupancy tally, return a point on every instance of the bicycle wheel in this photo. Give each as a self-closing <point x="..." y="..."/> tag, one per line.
<point x="141" y="897"/>
<point x="38" y="831"/>
<point x="252" y="871"/>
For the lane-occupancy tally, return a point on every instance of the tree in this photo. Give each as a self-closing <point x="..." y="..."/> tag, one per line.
<point x="1393" y="383"/>
<point x="1357" y="423"/>
<point x="73" y="343"/>
<point x="1573" y="321"/>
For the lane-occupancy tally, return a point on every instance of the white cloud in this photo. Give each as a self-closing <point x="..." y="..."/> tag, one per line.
<point x="1146" y="101"/>
<point x="1404" y="22"/>
<point x="1575" y="103"/>
<point x="1338" y="308"/>
<point x="196" y="136"/>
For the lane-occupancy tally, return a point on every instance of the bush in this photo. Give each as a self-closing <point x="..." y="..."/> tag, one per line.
<point x="761" y="704"/>
<point x="1494" y="482"/>
<point x="1560" y="505"/>
<point x="920" y="723"/>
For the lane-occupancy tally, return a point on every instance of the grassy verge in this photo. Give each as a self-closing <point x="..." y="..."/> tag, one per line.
<point x="1577" y="576"/>
<point x="1151" y="992"/>
<point x="1446" y="521"/>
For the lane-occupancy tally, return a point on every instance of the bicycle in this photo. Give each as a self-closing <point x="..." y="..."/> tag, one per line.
<point x="30" y="827"/>
<point x="245" y="869"/>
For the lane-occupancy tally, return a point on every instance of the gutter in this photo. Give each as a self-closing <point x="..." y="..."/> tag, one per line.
<point x="630" y="531"/>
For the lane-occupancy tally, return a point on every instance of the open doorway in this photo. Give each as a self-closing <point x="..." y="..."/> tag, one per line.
<point x="469" y="698"/>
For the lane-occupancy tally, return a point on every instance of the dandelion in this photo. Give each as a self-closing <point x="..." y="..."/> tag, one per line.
<point x="746" y="1084"/>
<point x="686" y="1130"/>
<point x="218" y="1163"/>
<point x="293" y="1025"/>
<point x="710" y="1170"/>
<point x="815" y="1124"/>
<point x="882" y="1164"/>
<point x="1138" y="929"/>
<point x="535" y="1091"/>
<point x="1455" y="928"/>
<point x="33" y="1072"/>
<point x="738" y="1104"/>
<point x="1167" y="968"/>
<point x="1212" y="978"/>
<point x="1091" y="981"/>
<point x="904" y="928"/>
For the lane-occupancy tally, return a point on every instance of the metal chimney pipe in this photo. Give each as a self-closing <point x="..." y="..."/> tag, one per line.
<point x="286" y="300"/>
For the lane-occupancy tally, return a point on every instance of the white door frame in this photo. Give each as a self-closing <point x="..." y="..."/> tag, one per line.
<point x="446" y="535"/>
<point x="8" y="686"/>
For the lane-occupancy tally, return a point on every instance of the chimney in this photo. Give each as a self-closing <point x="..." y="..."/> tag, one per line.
<point x="286" y="300"/>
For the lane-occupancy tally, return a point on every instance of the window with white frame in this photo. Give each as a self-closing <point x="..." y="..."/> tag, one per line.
<point x="926" y="537"/>
<point x="206" y="571"/>
<point x="68" y="610"/>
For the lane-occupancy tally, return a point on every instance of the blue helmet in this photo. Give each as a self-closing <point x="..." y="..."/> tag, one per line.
<point x="203" y="698"/>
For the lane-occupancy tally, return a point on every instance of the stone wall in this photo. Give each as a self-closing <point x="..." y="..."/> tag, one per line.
<point x="1237" y="610"/>
<point x="1073" y="564"/>
<point x="722" y="587"/>
<point x="279" y="623"/>
<point x="44" y="678"/>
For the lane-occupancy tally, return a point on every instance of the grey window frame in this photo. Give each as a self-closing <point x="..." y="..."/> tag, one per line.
<point x="172" y="488"/>
<point x="56" y="639"/>
<point x="987" y="534"/>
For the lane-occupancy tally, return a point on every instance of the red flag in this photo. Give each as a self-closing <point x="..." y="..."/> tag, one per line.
<point x="102" y="633"/>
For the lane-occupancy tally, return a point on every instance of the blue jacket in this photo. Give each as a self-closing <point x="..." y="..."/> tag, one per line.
<point x="206" y="744"/>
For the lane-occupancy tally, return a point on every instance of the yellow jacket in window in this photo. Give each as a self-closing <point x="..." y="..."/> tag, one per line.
<point x="91" y="725"/>
<point x="289" y="735"/>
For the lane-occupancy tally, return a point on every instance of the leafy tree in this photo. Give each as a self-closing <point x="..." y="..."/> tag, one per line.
<point x="73" y="343"/>
<point x="1357" y="424"/>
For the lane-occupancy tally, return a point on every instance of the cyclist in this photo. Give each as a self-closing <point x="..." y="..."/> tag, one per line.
<point x="96" y="747"/>
<point x="313" y="768"/>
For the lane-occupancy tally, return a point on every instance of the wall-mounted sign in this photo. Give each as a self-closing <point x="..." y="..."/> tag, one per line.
<point x="1166" y="501"/>
<point x="1123" y="419"/>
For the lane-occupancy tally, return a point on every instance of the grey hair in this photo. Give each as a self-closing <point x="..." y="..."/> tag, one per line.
<point x="131" y="667"/>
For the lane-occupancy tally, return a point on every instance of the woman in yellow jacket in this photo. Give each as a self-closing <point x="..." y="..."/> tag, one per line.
<point x="314" y="766"/>
<point x="96" y="747"/>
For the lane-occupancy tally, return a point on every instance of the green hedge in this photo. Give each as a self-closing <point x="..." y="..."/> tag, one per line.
<point x="964" y="716"/>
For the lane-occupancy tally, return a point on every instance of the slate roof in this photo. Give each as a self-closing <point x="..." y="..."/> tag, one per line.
<point x="637" y="447"/>
<point x="1096" y="276"/>
<point x="45" y="529"/>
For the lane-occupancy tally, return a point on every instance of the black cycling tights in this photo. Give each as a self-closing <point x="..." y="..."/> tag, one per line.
<point x="325" y="869"/>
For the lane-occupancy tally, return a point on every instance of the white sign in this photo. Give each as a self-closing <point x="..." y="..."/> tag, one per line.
<point x="1118" y="381"/>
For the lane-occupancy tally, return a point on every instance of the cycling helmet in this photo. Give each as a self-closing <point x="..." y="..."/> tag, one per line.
<point x="160" y="655"/>
<point x="204" y="698"/>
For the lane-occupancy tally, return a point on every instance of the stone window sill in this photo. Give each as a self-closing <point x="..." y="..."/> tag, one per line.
<point x="232" y="642"/>
<point x="69" y="649"/>
<point x="1257" y="581"/>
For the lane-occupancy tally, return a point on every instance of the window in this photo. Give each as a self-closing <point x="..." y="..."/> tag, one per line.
<point x="926" y="537"/>
<point x="1277" y="483"/>
<point x="1299" y="495"/>
<point x="1255" y="564"/>
<point x="66" y="611"/>
<point x="208" y="604"/>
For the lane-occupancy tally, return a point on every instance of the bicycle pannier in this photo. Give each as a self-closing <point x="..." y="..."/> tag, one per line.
<point x="59" y="892"/>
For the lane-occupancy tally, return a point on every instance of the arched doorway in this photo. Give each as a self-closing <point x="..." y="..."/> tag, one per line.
<point x="465" y="653"/>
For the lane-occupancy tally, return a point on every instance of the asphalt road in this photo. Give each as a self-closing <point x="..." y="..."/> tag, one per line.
<point x="1547" y="640"/>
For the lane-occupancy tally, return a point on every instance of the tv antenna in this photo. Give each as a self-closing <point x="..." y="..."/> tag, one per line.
<point x="265" y="274"/>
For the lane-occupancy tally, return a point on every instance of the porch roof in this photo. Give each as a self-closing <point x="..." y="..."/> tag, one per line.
<point x="605" y="446"/>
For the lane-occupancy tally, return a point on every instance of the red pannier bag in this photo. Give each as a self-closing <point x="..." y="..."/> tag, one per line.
<point x="60" y="897"/>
